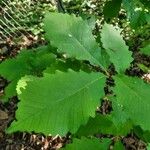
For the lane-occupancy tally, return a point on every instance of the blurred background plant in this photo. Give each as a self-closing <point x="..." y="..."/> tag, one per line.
<point x="18" y="17"/>
<point x="22" y="17"/>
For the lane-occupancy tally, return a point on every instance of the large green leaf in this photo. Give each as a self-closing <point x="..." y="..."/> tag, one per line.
<point x="133" y="95"/>
<point x="111" y="8"/>
<point x="72" y="35"/>
<point x="58" y="103"/>
<point x="26" y="63"/>
<point x="116" y="48"/>
<point x="88" y="144"/>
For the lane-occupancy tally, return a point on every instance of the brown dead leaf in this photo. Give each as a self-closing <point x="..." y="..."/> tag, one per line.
<point x="3" y="115"/>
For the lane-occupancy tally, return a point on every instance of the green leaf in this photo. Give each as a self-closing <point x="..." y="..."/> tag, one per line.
<point x="58" y="103"/>
<point x="118" y="146"/>
<point x="146" y="3"/>
<point x="64" y="65"/>
<point x="147" y="15"/>
<point x="13" y="69"/>
<point x="91" y="20"/>
<point x="116" y="48"/>
<point x="27" y="62"/>
<point x="22" y="83"/>
<point x="148" y="147"/>
<point x="129" y="6"/>
<point x="95" y="125"/>
<point x="146" y="50"/>
<point x="133" y="95"/>
<point x="10" y="90"/>
<point x="144" y="68"/>
<point x="136" y="17"/>
<point x="104" y="125"/>
<point x="117" y="123"/>
<point x="88" y="144"/>
<point x="105" y="58"/>
<point x="143" y="135"/>
<point x="111" y="8"/>
<point x="73" y="36"/>
<point x="121" y="122"/>
<point x="16" y="67"/>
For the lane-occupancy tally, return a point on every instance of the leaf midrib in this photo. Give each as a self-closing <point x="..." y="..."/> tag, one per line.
<point x="61" y="99"/>
<point x="84" y="48"/>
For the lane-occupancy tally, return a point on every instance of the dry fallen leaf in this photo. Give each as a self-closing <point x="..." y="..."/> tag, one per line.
<point x="146" y="77"/>
<point x="3" y="115"/>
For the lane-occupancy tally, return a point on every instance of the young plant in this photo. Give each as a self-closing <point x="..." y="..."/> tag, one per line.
<point x="64" y="99"/>
<point x="137" y="11"/>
